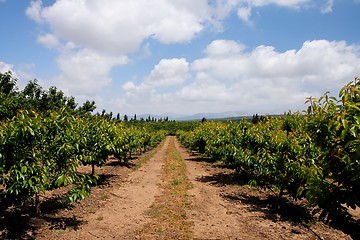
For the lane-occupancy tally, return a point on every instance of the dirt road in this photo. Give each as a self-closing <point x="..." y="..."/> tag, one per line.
<point x="213" y="206"/>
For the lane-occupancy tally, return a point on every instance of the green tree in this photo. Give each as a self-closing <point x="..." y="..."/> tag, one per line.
<point x="10" y="100"/>
<point x="87" y="108"/>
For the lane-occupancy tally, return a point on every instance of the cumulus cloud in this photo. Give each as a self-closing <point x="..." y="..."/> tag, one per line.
<point x="232" y="77"/>
<point x="244" y="13"/>
<point x="264" y="73"/>
<point x="85" y="71"/>
<point x="48" y="40"/>
<point x="34" y="11"/>
<point x="90" y="40"/>
<point x="98" y="35"/>
<point x="225" y="48"/>
<point x="121" y="26"/>
<point x="169" y="72"/>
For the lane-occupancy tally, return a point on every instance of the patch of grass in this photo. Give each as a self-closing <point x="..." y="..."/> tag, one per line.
<point x="175" y="182"/>
<point x="90" y="210"/>
<point x="60" y="232"/>
<point x="169" y="209"/>
<point x="104" y="197"/>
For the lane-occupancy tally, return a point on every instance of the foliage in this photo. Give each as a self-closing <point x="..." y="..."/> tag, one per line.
<point x="334" y="126"/>
<point x="314" y="155"/>
<point x="38" y="154"/>
<point x="44" y="139"/>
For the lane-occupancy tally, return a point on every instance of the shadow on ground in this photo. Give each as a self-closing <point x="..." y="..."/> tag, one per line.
<point x="18" y="222"/>
<point x="268" y="203"/>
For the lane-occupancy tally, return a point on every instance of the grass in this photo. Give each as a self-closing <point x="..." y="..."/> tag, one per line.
<point x="169" y="210"/>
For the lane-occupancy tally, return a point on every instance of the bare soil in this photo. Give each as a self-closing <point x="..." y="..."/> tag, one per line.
<point x="220" y="207"/>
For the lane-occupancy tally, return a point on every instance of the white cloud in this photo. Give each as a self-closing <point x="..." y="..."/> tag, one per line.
<point x="93" y="37"/>
<point x="328" y="7"/>
<point x="34" y="11"/>
<point x="244" y="13"/>
<point x="229" y="77"/>
<point x="90" y="40"/>
<point x="48" y="40"/>
<point x="225" y="48"/>
<point x="121" y="26"/>
<point x="281" y="79"/>
<point x="85" y="71"/>
<point x="169" y="72"/>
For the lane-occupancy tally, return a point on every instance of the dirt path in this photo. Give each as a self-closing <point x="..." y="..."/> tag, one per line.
<point x="209" y="213"/>
<point x="124" y="212"/>
<point x="213" y="206"/>
<point x="224" y="209"/>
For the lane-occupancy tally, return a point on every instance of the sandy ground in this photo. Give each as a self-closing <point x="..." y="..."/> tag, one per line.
<point x="124" y="212"/>
<point x="221" y="207"/>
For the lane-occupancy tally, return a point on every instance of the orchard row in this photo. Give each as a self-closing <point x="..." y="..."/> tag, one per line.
<point x="313" y="155"/>
<point x="40" y="153"/>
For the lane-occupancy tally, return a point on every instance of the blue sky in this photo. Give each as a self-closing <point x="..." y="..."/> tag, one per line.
<point x="184" y="56"/>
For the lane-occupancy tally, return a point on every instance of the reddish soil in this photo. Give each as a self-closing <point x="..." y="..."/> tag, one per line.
<point x="222" y="207"/>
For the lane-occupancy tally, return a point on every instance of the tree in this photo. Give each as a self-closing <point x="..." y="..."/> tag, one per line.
<point x="71" y="104"/>
<point x="87" y="108"/>
<point x="125" y="118"/>
<point x="255" y="119"/>
<point x="10" y="100"/>
<point x="46" y="101"/>
<point x="8" y="84"/>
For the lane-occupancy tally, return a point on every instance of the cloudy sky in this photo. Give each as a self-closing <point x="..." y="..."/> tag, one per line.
<point x="184" y="56"/>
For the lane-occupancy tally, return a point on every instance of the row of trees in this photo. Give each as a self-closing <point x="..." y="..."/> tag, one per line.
<point x="34" y="97"/>
<point x="313" y="155"/>
<point x="45" y="138"/>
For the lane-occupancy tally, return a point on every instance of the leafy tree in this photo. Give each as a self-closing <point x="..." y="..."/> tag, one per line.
<point x="87" y="108"/>
<point x="46" y="101"/>
<point x="40" y="153"/>
<point x="8" y="84"/>
<point x="335" y="127"/>
<point x="10" y="101"/>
